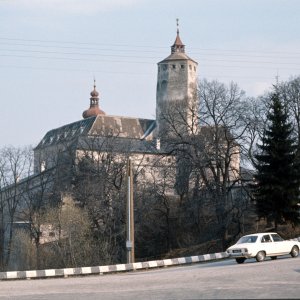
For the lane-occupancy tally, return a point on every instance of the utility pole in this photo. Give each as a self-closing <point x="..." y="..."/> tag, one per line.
<point x="129" y="215"/>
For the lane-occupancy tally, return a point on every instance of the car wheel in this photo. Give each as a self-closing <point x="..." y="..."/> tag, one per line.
<point x="240" y="260"/>
<point x="295" y="251"/>
<point x="273" y="257"/>
<point x="260" y="256"/>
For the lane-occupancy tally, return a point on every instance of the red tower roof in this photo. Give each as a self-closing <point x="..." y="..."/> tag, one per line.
<point x="178" y="46"/>
<point x="94" y="109"/>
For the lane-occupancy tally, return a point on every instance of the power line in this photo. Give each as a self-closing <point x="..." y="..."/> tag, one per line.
<point x="134" y="56"/>
<point x="75" y="70"/>
<point x="141" y="46"/>
<point x="76" y="53"/>
<point x="139" y="62"/>
<point x="132" y="73"/>
<point x="74" y="59"/>
<point x="81" y="43"/>
<point x="81" y="48"/>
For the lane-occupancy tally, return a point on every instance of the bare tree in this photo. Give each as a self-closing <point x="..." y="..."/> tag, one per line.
<point x="155" y="206"/>
<point x="209" y="153"/>
<point x="100" y="188"/>
<point x="15" y="164"/>
<point x="290" y="90"/>
<point x="37" y="196"/>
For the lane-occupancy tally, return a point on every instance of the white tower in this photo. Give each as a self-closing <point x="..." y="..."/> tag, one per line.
<point x="176" y="94"/>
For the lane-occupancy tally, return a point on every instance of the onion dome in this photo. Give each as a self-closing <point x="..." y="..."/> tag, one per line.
<point x="94" y="109"/>
<point x="94" y="93"/>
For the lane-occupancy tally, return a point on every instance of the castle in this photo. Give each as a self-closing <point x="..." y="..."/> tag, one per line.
<point x="176" y="85"/>
<point x="101" y="139"/>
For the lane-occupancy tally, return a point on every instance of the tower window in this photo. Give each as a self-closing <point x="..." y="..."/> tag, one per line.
<point x="190" y="66"/>
<point x="194" y="68"/>
<point x="174" y="66"/>
<point x="182" y="66"/>
<point x="165" y="67"/>
<point x="164" y="85"/>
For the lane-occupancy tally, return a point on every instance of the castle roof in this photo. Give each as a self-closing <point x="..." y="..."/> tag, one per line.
<point x="101" y="126"/>
<point x="177" y="56"/>
<point x="177" y="50"/>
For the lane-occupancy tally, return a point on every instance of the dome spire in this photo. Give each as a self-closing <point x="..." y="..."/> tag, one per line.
<point x="178" y="46"/>
<point x="94" y="109"/>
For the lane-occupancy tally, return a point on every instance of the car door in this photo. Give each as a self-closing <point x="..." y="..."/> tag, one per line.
<point x="280" y="246"/>
<point x="267" y="244"/>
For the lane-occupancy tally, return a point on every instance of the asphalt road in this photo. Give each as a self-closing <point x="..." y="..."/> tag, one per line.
<point x="217" y="280"/>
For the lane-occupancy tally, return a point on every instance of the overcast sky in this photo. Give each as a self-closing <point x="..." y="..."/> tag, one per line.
<point x="50" y="51"/>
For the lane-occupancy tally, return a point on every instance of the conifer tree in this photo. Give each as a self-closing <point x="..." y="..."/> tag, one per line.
<point x="277" y="178"/>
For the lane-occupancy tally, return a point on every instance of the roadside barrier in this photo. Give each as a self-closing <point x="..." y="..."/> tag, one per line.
<point x="51" y="273"/>
<point x="100" y="270"/>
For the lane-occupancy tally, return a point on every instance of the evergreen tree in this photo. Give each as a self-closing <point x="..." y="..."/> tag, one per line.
<point x="277" y="178"/>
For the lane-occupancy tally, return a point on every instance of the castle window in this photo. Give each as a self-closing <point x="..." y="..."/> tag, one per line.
<point x="165" y="67"/>
<point x="174" y="66"/>
<point x="194" y="68"/>
<point x="43" y="166"/>
<point x="164" y="85"/>
<point x="182" y="66"/>
<point x="190" y="66"/>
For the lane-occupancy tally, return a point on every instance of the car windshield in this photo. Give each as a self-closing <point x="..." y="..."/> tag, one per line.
<point x="247" y="239"/>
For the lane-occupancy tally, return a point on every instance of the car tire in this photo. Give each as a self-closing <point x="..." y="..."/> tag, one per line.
<point x="240" y="260"/>
<point x="295" y="251"/>
<point x="273" y="257"/>
<point x="260" y="256"/>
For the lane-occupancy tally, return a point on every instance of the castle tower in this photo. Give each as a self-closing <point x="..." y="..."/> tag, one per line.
<point x="176" y="94"/>
<point x="94" y="109"/>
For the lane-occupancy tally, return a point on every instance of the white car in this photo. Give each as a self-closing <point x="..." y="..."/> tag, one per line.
<point x="260" y="245"/>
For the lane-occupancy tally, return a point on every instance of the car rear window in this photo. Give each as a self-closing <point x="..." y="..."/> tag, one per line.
<point x="276" y="238"/>
<point x="247" y="239"/>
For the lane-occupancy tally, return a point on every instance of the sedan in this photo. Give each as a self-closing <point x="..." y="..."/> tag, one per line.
<point x="261" y="245"/>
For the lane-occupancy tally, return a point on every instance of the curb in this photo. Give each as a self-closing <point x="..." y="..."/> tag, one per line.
<point x="51" y="273"/>
<point x="100" y="270"/>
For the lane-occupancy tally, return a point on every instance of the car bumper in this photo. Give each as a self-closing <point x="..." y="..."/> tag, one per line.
<point x="240" y="254"/>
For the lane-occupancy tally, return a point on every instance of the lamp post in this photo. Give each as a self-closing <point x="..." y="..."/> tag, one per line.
<point x="129" y="215"/>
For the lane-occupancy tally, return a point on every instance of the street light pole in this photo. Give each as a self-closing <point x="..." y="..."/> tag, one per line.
<point x="129" y="215"/>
